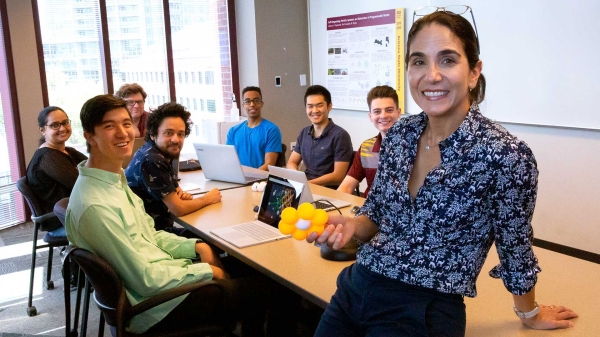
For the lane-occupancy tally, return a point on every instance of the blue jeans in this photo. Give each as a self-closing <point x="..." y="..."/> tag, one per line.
<point x="369" y="304"/>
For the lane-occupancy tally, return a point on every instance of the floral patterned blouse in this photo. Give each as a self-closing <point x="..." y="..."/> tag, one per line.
<point x="483" y="191"/>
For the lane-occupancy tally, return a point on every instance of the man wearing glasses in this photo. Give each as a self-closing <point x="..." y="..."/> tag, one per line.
<point x="134" y="95"/>
<point x="257" y="140"/>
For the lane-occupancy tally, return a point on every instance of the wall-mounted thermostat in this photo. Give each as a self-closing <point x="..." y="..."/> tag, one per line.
<point x="277" y="81"/>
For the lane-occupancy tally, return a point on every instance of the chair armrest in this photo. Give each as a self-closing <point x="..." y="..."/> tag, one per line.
<point x="168" y="295"/>
<point x="43" y="218"/>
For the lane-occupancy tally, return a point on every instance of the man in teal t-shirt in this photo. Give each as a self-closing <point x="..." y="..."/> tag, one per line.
<point x="257" y="140"/>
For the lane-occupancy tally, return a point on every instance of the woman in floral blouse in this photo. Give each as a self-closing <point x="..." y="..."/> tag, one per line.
<point x="450" y="182"/>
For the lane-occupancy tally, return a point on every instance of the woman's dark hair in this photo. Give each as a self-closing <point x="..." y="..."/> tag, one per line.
<point x="170" y="109"/>
<point x="43" y="119"/>
<point x="462" y="29"/>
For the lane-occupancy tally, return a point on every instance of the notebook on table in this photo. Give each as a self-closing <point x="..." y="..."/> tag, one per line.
<point x="307" y="196"/>
<point x="221" y="162"/>
<point x="278" y="194"/>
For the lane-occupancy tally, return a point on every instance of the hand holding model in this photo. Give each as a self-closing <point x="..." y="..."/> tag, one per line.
<point x="300" y="222"/>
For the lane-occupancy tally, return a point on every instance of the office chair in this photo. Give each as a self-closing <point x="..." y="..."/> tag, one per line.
<point x="60" y="209"/>
<point x="39" y="221"/>
<point x="281" y="157"/>
<point x="110" y="296"/>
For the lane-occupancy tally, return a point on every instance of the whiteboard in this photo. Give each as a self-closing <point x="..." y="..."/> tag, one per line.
<point x="540" y="58"/>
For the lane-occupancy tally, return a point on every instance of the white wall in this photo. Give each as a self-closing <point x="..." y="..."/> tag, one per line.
<point x="246" y="43"/>
<point x="568" y="204"/>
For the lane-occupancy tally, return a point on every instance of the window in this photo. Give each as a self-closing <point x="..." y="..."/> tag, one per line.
<point x="210" y="77"/>
<point x="211" y="105"/>
<point x="142" y="49"/>
<point x="138" y="52"/>
<point x="91" y="74"/>
<point x="49" y="49"/>
<point x="195" y="104"/>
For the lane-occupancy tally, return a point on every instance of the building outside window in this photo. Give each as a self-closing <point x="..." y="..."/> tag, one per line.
<point x="72" y="31"/>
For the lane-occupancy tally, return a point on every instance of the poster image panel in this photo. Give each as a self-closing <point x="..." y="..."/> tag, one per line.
<point x="364" y="51"/>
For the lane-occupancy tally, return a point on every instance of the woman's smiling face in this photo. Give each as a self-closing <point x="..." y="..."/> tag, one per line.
<point x="438" y="72"/>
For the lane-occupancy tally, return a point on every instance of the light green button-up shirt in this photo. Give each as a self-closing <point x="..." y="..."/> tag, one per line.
<point x="105" y="217"/>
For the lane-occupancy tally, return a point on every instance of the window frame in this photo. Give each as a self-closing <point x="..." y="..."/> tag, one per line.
<point x="107" y="75"/>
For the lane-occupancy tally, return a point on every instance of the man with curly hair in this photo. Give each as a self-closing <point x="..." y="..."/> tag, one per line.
<point x="150" y="174"/>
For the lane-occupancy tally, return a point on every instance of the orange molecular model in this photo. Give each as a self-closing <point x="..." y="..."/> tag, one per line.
<point x="303" y="221"/>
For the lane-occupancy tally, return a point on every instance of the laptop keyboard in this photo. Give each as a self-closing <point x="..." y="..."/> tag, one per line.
<point x="323" y="205"/>
<point x="254" y="176"/>
<point x="254" y="230"/>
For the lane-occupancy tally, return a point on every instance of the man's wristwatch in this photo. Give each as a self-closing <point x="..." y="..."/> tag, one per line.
<point x="528" y="314"/>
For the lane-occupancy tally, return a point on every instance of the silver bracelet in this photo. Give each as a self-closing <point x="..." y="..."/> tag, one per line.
<point x="528" y="314"/>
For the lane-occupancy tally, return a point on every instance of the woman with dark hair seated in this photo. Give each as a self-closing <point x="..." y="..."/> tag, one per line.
<point x="52" y="171"/>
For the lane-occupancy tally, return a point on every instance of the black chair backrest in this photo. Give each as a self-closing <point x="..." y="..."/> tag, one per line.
<point x="35" y="206"/>
<point x="281" y="157"/>
<point x="30" y="197"/>
<point x="109" y="292"/>
<point x="60" y="209"/>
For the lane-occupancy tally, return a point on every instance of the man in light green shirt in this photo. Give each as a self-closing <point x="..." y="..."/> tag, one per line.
<point x="105" y="217"/>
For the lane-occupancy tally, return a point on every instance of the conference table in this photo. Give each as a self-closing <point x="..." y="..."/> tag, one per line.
<point x="564" y="280"/>
<point x="295" y="264"/>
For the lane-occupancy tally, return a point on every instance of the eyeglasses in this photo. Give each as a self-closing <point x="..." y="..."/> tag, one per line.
<point x="256" y="101"/>
<point x="57" y="125"/>
<point x="131" y="102"/>
<point x="455" y="9"/>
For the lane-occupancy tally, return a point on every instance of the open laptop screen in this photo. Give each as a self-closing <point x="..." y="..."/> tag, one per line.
<point x="279" y="193"/>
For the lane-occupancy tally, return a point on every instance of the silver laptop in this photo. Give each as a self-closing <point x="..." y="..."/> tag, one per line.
<point x="278" y="194"/>
<point x="221" y="162"/>
<point x="307" y="196"/>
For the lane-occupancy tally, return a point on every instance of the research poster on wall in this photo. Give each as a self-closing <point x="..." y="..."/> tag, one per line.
<point x="363" y="51"/>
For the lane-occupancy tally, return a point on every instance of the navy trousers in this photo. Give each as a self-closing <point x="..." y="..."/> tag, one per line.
<point x="369" y="304"/>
